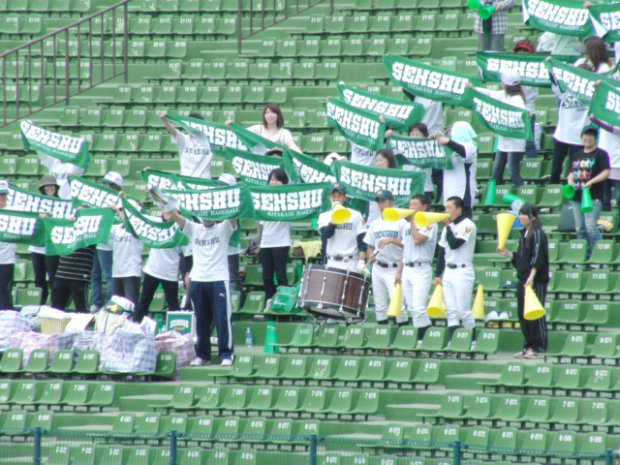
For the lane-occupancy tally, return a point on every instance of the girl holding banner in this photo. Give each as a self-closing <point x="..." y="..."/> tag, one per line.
<point x="275" y="241"/>
<point x="509" y="150"/>
<point x="43" y="265"/>
<point x="272" y="127"/>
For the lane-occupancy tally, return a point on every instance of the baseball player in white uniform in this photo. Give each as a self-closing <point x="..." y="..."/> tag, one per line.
<point x="344" y="243"/>
<point x="385" y="252"/>
<point x="455" y="269"/>
<point x="415" y="271"/>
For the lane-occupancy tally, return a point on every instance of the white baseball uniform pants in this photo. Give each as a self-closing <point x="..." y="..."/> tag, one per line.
<point x="383" y="291"/>
<point x="349" y="265"/>
<point x="458" y="285"/>
<point x="416" y="285"/>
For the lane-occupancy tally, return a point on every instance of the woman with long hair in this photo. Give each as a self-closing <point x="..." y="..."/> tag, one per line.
<point x="532" y="263"/>
<point x="275" y="241"/>
<point x="509" y="150"/>
<point x="596" y="55"/>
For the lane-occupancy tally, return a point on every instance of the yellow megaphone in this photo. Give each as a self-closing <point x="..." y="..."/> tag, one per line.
<point x="504" y="225"/>
<point x="532" y="308"/>
<point x="340" y="214"/>
<point x="478" y="309"/>
<point x="436" y="307"/>
<point x="425" y="219"/>
<point x="394" y="214"/>
<point x="396" y="304"/>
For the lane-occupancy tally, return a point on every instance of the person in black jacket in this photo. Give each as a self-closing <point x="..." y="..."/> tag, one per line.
<point x="532" y="263"/>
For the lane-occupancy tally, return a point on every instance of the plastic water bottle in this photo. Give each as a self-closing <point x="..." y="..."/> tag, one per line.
<point x="249" y="337"/>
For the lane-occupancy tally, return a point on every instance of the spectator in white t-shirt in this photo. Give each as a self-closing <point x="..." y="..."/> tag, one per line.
<point x="8" y="256"/>
<point x="209" y="289"/>
<point x="272" y="127"/>
<point x="275" y="242"/>
<point x="102" y="265"/>
<point x="530" y="93"/>
<point x="126" y="261"/>
<point x="572" y="118"/>
<point x="509" y="150"/>
<point x="195" y="153"/>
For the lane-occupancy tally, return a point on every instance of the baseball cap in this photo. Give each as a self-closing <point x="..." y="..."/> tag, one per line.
<point x="228" y="179"/>
<point x="589" y="129"/>
<point x="383" y="195"/>
<point x="338" y="187"/>
<point x="4" y="187"/>
<point x="113" y="178"/>
<point x="510" y="77"/>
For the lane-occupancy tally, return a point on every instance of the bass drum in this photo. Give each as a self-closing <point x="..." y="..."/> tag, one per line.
<point x="334" y="293"/>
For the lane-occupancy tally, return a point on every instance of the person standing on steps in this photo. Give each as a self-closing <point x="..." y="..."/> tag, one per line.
<point x="532" y="263"/>
<point x="455" y="268"/>
<point x="416" y="270"/>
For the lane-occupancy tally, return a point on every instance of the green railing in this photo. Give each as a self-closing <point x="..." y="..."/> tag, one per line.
<point x="38" y="446"/>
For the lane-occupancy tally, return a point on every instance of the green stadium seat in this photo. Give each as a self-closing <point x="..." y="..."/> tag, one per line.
<point x="452" y="406"/>
<point x="593" y="444"/>
<point x="568" y="380"/>
<point x="573" y="252"/>
<point x="327" y="336"/>
<point x="566" y="411"/>
<point x="598" y="313"/>
<point x="373" y="369"/>
<point x="538" y="409"/>
<point x="354" y="337"/>
<point x="85" y="454"/>
<point x="504" y="440"/>
<point x="551" y="196"/>
<point x="87" y="363"/>
<point x="510" y="408"/>
<point x="341" y="402"/>
<point x="183" y="398"/>
<point x="461" y="341"/>
<point x="574" y="346"/>
<point x="51" y="394"/>
<point x="379" y="337"/>
<point x="534" y="442"/>
<point x="62" y="363"/>
<point x="367" y="403"/>
<point x="14" y="423"/>
<point x="487" y="342"/>
<point x="512" y="375"/>
<point x="322" y="368"/>
<point x="541" y="378"/>
<point x="406" y="339"/>
<point x="435" y="340"/>
<point x="38" y="361"/>
<point x="566" y="311"/>
<point x="60" y="454"/>
<point x="566" y="281"/>
<point x="11" y="362"/>
<point x="24" y="393"/>
<point x="400" y="372"/>
<point x="604" y="252"/>
<point x="254" y="302"/>
<point x="295" y="367"/>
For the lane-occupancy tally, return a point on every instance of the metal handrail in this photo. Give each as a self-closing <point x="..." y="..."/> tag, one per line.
<point x="75" y="27"/>
<point x="260" y="14"/>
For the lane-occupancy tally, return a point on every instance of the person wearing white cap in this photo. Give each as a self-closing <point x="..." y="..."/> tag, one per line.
<point x="195" y="152"/>
<point x="8" y="256"/>
<point x="102" y="265"/>
<point x="509" y="149"/>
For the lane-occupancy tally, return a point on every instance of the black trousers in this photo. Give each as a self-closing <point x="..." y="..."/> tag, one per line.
<point x="44" y="267"/>
<point x="6" y="286"/>
<point x="273" y="260"/>
<point x="128" y="287"/>
<point x="234" y="279"/>
<point x="65" y="289"/>
<point x="149" y="286"/>
<point x="560" y="151"/>
<point x="534" y="331"/>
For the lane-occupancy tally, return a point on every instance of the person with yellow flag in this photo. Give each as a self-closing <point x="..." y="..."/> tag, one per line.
<point x="532" y="263"/>
<point x="455" y="268"/>
<point x="415" y="270"/>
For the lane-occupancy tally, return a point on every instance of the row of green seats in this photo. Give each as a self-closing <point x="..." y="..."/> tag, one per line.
<point x="66" y="363"/>
<point x="587" y="347"/>
<point x="274" y="400"/>
<point x="68" y="453"/>
<point x="384" y="23"/>
<point x="497" y="441"/>
<point x="56" y="393"/>
<point x="204" y="429"/>
<point x="372" y="337"/>
<point x="345" y="458"/>
<point x="581" y="381"/>
<point x="520" y="410"/>
<point x="65" y="7"/>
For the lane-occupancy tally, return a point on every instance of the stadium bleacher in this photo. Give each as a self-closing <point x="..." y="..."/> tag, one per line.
<point x="361" y="394"/>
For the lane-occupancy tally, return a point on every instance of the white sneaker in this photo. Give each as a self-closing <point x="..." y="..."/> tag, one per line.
<point x="268" y="304"/>
<point x="492" y="315"/>
<point x="504" y="316"/>
<point x="200" y="362"/>
<point x="94" y="308"/>
<point x="227" y="362"/>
